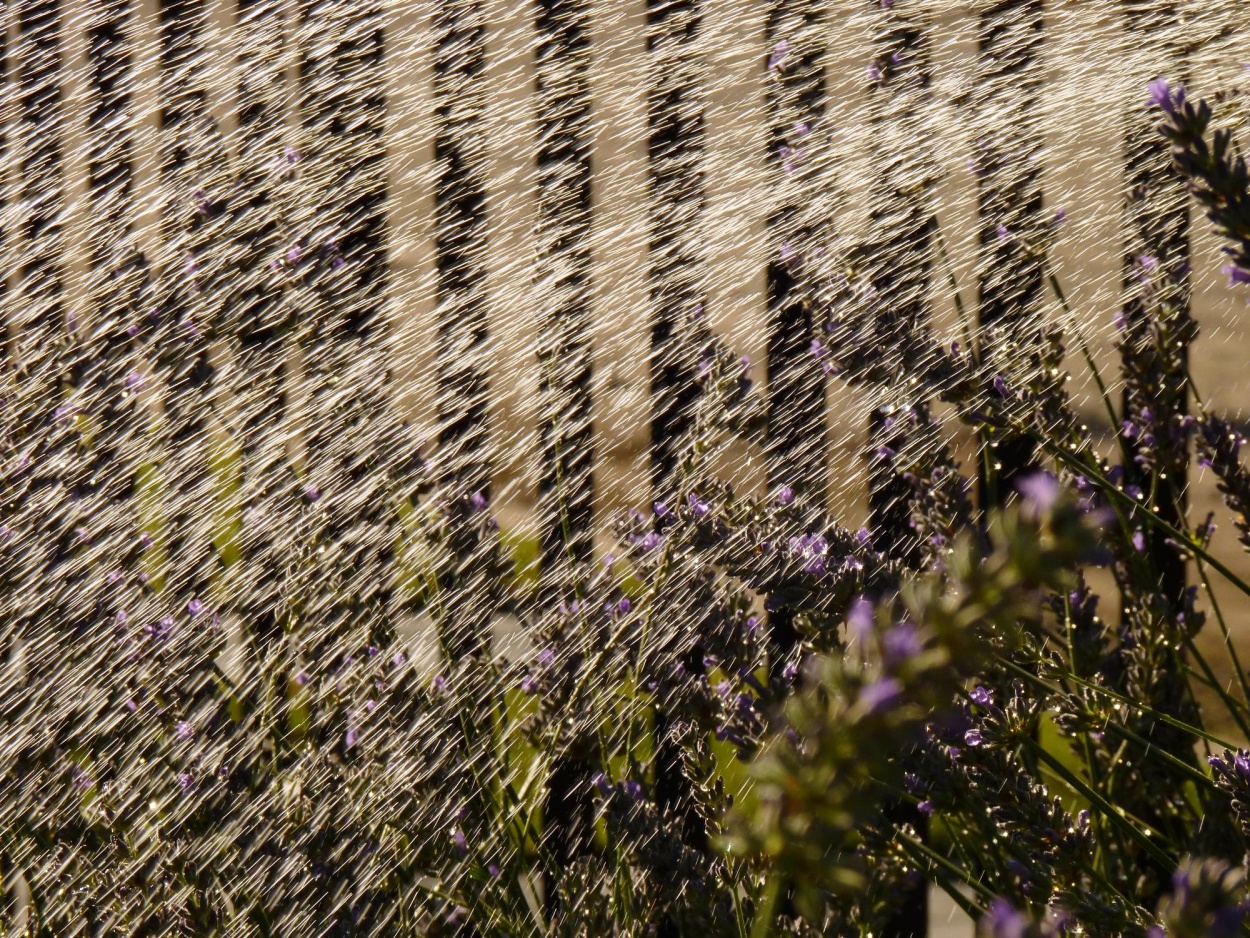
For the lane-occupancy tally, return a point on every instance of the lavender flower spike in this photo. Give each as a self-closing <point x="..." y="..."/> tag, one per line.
<point x="1165" y="96"/>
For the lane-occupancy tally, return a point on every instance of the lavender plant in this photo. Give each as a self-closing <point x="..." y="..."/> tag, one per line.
<point x="660" y="764"/>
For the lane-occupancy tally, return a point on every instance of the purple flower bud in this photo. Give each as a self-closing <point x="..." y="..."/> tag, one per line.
<point x="863" y="536"/>
<point x="981" y="695"/>
<point x="528" y="684"/>
<point x="900" y="643"/>
<point x="184" y="730"/>
<point x="1003" y="233"/>
<point x="1002" y="920"/>
<point x="1235" y="274"/>
<point x="195" y="607"/>
<point x="478" y="501"/>
<point x="698" y="507"/>
<point x="351" y="737"/>
<point x="623" y="606"/>
<point x="880" y="695"/>
<point x="1164" y="96"/>
<point x="493" y="871"/>
<point x="785" y="496"/>
<point x="925" y="807"/>
<point x="185" y="781"/>
<point x="291" y="155"/>
<point x="1000" y="385"/>
<point x="1061" y="215"/>
<point x="860" y="617"/>
<point x="602" y="783"/>
<point x="546" y="658"/>
<point x="973" y="738"/>
<point x="458" y="839"/>
<point x="632" y="789"/>
<point x="1040" y="491"/>
<point x="1139" y="541"/>
<point x="1148" y="262"/>
<point x="301" y="679"/>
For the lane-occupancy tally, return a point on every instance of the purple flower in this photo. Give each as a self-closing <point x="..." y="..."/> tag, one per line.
<point x="301" y="679"/>
<point x="778" y="57"/>
<point x="874" y="72"/>
<point x="546" y="658"/>
<point x="785" y="495"/>
<point x="293" y="254"/>
<point x="1139" y="541"/>
<point x="1148" y="262"/>
<point x="184" y="730"/>
<point x="801" y="129"/>
<point x="311" y="492"/>
<point x="632" y="789"/>
<point x="351" y="737"/>
<point x="900" y="643"/>
<point x="925" y="807"/>
<point x="698" y="507"/>
<point x="860" y="617"/>
<point x="863" y="536"/>
<point x="602" y="783"/>
<point x="1040" y="491"/>
<point x="981" y="695"/>
<point x="185" y="781"/>
<point x="529" y="684"/>
<point x="651" y="541"/>
<point x="881" y="694"/>
<point x="458" y="839"/>
<point x="1164" y="96"/>
<point x="291" y="155"/>
<point x="493" y="870"/>
<point x="1061" y="215"/>
<point x="1235" y="274"/>
<point x="195" y="607"/>
<point x="1003" y="233"/>
<point x="1002" y="920"/>
<point x="1000" y="385"/>
<point x="134" y="381"/>
<point x="478" y="501"/>
<point x="973" y="738"/>
<point x="818" y="349"/>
